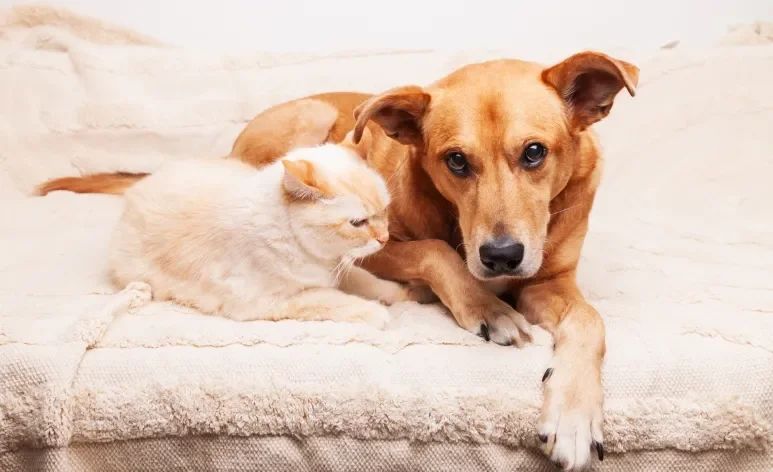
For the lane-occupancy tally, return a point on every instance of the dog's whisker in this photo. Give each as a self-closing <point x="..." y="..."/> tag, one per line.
<point x="547" y="240"/>
<point x="566" y="209"/>
<point x="396" y="171"/>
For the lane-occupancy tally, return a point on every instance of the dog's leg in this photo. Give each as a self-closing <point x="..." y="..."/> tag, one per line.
<point x="572" y="412"/>
<point x="435" y="263"/>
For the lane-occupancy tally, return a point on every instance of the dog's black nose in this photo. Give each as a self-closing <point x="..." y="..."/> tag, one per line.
<point x="501" y="255"/>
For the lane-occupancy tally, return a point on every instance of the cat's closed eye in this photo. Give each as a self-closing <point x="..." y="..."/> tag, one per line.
<point x="359" y="222"/>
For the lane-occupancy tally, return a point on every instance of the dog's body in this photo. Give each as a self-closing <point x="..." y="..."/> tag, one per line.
<point x="492" y="172"/>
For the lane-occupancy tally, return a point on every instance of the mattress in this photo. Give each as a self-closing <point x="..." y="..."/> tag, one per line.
<point x="678" y="260"/>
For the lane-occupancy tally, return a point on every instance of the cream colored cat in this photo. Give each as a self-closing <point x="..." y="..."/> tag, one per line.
<point x="275" y="243"/>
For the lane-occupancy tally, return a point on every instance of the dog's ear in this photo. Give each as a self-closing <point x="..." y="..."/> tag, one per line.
<point x="588" y="82"/>
<point x="398" y="112"/>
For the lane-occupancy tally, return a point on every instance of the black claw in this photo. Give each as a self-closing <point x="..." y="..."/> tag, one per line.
<point x="548" y="373"/>
<point x="600" y="451"/>
<point x="484" y="332"/>
<point x="543" y="438"/>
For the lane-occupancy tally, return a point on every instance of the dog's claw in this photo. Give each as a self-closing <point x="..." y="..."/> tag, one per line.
<point x="547" y="374"/>
<point x="484" y="332"/>
<point x="600" y="450"/>
<point x="543" y="438"/>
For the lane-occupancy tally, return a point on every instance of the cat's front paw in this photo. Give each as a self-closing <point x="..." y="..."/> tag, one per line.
<point x="393" y="292"/>
<point x="412" y="293"/>
<point x="372" y="313"/>
<point x="420" y="294"/>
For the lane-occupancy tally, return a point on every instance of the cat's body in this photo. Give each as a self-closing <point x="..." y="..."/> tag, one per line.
<point x="275" y="243"/>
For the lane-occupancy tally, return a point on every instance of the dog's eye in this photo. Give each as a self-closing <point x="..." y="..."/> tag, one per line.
<point x="358" y="223"/>
<point x="456" y="161"/>
<point x="533" y="155"/>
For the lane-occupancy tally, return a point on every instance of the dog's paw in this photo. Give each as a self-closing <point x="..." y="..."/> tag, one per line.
<point x="499" y="322"/>
<point x="572" y="418"/>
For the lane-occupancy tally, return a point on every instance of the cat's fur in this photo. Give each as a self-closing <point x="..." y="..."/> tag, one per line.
<point x="275" y="243"/>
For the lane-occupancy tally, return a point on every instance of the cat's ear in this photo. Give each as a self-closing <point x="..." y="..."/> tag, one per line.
<point x="300" y="180"/>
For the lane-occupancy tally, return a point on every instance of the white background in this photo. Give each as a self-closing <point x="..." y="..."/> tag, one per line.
<point x="313" y="25"/>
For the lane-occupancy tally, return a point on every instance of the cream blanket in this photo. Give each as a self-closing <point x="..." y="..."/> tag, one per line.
<point x="679" y="261"/>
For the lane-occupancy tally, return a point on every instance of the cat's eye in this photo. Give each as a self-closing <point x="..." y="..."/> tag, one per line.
<point x="358" y="223"/>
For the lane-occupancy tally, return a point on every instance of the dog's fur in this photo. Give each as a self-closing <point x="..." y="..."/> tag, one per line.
<point x="490" y="112"/>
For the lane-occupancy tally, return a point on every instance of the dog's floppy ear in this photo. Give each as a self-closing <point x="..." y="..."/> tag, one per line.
<point x="589" y="82"/>
<point x="398" y="112"/>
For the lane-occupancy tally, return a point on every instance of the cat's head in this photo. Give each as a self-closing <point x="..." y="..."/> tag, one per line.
<point x="337" y="204"/>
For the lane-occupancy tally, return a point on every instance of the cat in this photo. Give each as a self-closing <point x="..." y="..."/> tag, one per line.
<point x="279" y="242"/>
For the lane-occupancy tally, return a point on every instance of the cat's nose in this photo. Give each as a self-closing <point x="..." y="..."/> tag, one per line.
<point x="383" y="238"/>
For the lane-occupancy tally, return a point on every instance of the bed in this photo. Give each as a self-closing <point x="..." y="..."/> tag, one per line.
<point x="679" y="262"/>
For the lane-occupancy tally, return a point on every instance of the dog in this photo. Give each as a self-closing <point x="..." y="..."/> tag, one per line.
<point x="493" y="171"/>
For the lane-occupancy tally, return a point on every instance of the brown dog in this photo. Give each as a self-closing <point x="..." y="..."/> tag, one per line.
<point x="493" y="171"/>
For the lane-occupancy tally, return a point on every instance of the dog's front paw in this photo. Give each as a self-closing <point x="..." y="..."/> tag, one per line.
<point x="494" y="320"/>
<point x="572" y="416"/>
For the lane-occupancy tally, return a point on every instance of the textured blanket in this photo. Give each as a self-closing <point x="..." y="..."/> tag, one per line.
<point x="679" y="261"/>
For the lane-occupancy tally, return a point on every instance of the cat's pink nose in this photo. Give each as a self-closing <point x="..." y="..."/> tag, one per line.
<point x="383" y="238"/>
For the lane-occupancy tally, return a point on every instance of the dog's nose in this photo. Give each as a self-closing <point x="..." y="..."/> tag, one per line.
<point x="501" y="255"/>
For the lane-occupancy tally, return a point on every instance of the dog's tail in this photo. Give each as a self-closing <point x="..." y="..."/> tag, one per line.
<point x="114" y="183"/>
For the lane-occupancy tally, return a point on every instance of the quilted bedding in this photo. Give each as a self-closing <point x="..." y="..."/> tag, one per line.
<point x="679" y="261"/>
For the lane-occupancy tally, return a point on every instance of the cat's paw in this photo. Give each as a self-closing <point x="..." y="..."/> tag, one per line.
<point x="393" y="292"/>
<point x="420" y="294"/>
<point x="372" y="313"/>
<point x="412" y="293"/>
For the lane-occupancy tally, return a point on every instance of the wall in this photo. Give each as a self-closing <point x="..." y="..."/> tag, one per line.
<point x="309" y="25"/>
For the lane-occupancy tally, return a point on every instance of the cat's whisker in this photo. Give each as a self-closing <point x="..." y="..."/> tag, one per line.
<point x="343" y="268"/>
<point x="338" y="271"/>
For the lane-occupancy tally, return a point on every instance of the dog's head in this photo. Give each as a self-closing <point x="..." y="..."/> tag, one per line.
<point x="500" y="140"/>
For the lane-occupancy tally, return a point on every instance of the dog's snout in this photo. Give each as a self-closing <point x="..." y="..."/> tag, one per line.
<point x="501" y="255"/>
